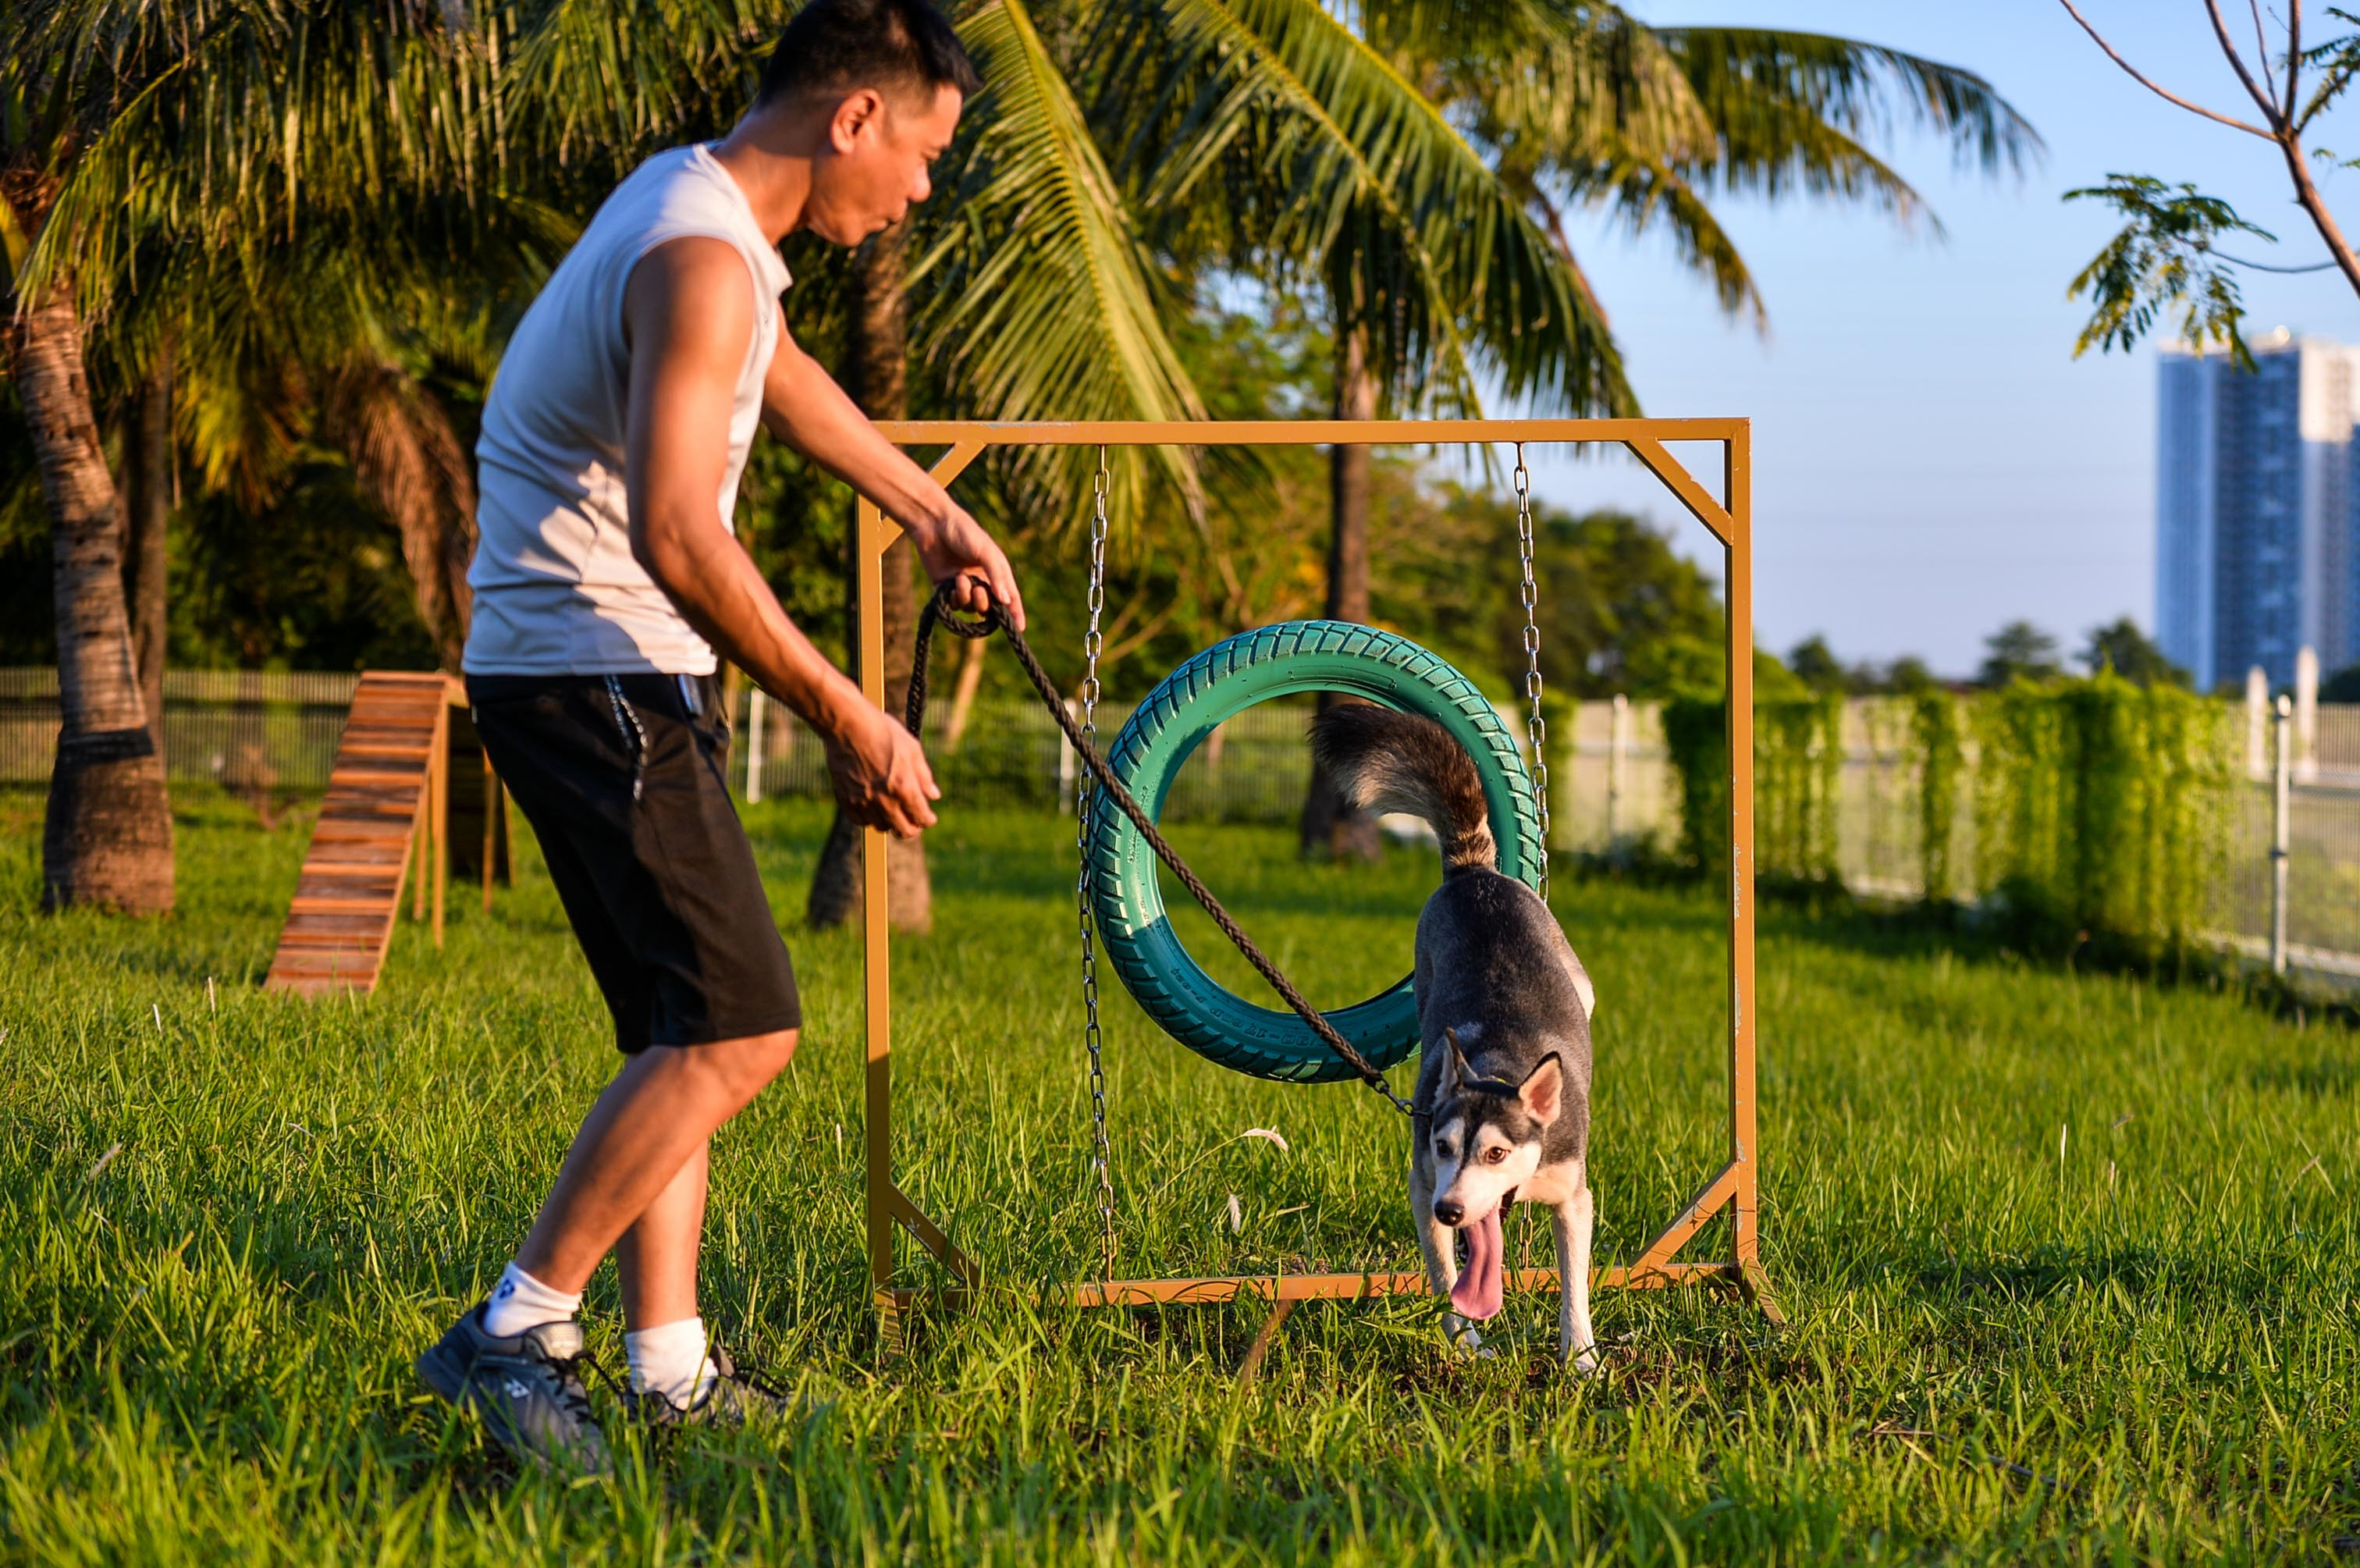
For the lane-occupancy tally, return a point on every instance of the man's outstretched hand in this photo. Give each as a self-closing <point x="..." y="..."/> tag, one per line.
<point x="958" y="547"/>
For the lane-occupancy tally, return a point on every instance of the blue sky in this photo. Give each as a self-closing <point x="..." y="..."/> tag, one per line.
<point x="1930" y="458"/>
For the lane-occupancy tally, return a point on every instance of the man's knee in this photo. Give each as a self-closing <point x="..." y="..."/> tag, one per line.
<point x="748" y="1063"/>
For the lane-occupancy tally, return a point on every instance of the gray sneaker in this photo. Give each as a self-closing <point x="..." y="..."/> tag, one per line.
<point x="527" y="1390"/>
<point x="735" y="1399"/>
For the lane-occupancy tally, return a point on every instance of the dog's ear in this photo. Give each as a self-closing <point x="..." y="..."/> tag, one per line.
<point x="1543" y="1093"/>
<point x="1454" y="1064"/>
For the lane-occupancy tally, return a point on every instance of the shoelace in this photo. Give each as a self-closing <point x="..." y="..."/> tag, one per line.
<point x="726" y="1372"/>
<point x="573" y="1389"/>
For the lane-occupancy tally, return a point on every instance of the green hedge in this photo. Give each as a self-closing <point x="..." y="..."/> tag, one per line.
<point x="1798" y="763"/>
<point x="2102" y="804"/>
<point x="2098" y="806"/>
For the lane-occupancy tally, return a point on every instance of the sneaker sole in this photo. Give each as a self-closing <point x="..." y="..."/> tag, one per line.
<point x="441" y="1373"/>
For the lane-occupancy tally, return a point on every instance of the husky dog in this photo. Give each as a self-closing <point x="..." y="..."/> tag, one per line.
<point x="1501" y="1113"/>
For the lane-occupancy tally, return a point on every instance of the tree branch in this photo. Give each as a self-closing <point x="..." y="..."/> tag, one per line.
<point x="2322" y="219"/>
<point x="2237" y="63"/>
<point x="2294" y="54"/>
<point x="2262" y="47"/>
<point x="2170" y="97"/>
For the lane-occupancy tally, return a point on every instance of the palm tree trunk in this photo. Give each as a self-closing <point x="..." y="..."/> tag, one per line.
<point x="877" y="378"/>
<point x="107" y="839"/>
<point x="147" y="505"/>
<point x="971" y="681"/>
<point x="1328" y="825"/>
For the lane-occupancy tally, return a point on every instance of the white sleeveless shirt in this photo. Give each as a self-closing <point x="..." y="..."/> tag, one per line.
<point x="557" y="589"/>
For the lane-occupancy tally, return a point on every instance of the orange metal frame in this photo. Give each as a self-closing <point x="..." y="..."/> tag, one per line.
<point x="1733" y="1188"/>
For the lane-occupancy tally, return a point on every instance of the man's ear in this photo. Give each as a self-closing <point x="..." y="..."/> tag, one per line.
<point x="1543" y="1094"/>
<point x="1454" y="1064"/>
<point x="858" y="109"/>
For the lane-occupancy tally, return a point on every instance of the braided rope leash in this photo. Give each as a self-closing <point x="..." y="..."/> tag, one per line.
<point x="937" y="610"/>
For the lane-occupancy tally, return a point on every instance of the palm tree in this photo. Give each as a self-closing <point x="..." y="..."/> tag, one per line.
<point x="106" y="838"/>
<point x="257" y="185"/>
<point x="1416" y="170"/>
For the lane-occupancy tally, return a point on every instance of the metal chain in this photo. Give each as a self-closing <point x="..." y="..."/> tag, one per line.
<point x="1084" y="791"/>
<point x="1536" y="725"/>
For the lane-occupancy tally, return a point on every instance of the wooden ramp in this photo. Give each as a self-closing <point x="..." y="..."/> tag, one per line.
<point x="384" y="810"/>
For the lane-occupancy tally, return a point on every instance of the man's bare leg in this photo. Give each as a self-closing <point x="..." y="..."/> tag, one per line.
<point x="647" y="1126"/>
<point x="656" y="1256"/>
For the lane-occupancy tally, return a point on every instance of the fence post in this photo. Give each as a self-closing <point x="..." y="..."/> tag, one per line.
<point x="2306" y="714"/>
<point x="1617" y="734"/>
<point x="2257" y="710"/>
<point x="2280" y="810"/>
<point x="754" y="746"/>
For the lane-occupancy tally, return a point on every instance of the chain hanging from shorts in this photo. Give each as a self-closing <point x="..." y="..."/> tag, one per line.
<point x="1084" y="795"/>
<point x="1535" y="724"/>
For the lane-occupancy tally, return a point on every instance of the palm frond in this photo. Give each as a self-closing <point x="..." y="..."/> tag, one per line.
<point x="1042" y="302"/>
<point x="1546" y="82"/>
<point x="601" y="84"/>
<point x="1758" y="85"/>
<point x="1645" y="197"/>
<point x="410" y="462"/>
<point x="1335" y="168"/>
<point x="225" y="126"/>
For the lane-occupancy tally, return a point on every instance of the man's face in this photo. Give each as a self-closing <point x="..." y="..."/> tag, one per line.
<point x="880" y="146"/>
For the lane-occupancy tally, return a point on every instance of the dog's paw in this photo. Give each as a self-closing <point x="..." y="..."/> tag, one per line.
<point x="1465" y="1340"/>
<point x="1585" y="1361"/>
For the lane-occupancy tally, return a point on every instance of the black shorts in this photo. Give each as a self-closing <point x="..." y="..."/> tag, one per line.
<point x="625" y="788"/>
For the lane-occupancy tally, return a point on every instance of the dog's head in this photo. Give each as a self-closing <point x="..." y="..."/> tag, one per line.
<point x="1485" y="1134"/>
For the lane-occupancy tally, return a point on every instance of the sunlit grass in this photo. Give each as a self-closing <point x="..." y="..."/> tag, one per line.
<point x="2068" y="1260"/>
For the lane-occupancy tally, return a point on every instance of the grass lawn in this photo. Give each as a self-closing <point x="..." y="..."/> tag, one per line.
<point x="2070" y="1260"/>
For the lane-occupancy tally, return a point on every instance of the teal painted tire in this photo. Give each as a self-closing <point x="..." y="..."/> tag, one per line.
<point x="1217" y="685"/>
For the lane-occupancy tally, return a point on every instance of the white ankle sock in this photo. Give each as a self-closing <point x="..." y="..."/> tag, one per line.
<point x="519" y="1302"/>
<point x="669" y="1359"/>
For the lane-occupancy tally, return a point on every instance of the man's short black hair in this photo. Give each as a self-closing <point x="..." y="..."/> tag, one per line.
<point x="892" y="45"/>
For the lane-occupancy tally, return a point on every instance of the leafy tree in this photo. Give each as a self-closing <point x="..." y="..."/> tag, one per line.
<point x="1909" y="674"/>
<point x="1815" y="665"/>
<point x="2123" y="648"/>
<point x="2162" y="264"/>
<point x="2019" y="650"/>
<point x="2165" y="262"/>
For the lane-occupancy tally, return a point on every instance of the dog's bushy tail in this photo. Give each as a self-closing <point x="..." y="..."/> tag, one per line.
<point x="1383" y="761"/>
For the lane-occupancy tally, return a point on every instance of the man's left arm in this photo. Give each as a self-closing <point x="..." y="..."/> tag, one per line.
<point x="803" y="406"/>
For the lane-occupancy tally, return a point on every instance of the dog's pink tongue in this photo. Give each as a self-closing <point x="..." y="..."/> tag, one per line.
<point x="1478" y="1293"/>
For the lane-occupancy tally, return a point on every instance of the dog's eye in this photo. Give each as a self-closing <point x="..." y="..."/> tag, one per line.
<point x="1493" y="1156"/>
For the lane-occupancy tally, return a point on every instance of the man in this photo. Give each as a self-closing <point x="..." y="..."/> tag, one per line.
<point x="606" y="579"/>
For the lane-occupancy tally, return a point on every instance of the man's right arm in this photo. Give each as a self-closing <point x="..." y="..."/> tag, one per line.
<point x="688" y="316"/>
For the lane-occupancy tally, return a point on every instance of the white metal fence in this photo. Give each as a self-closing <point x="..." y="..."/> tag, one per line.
<point x="1617" y="790"/>
<point x="1612" y="778"/>
<point x="241" y="728"/>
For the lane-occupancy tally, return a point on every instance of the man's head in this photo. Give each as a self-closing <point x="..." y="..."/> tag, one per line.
<point x="879" y="83"/>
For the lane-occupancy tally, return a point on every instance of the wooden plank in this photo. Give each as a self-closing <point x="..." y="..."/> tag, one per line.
<point x="315" y="924"/>
<point x="360" y="964"/>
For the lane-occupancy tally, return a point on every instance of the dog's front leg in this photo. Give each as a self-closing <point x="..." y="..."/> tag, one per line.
<point x="1576" y="1219"/>
<point x="1440" y="1242"/>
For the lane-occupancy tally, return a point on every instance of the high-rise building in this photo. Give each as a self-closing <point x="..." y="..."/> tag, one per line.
<point x="2256" y="510"/>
